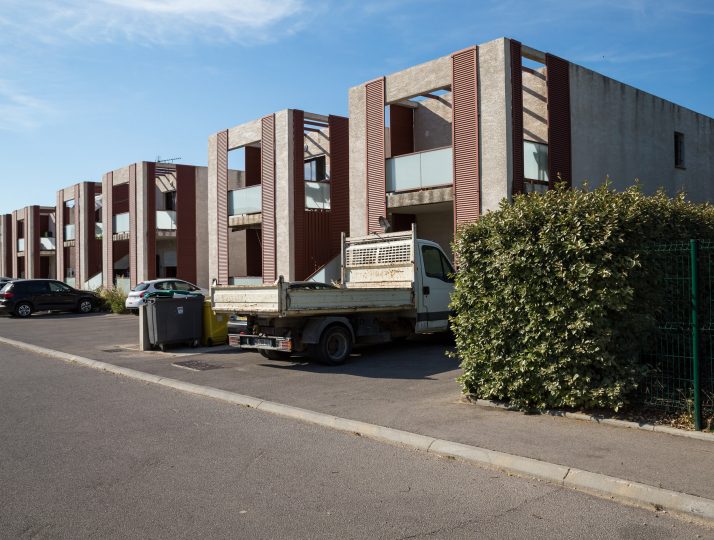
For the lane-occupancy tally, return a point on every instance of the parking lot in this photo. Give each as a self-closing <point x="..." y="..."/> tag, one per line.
<point x="409" y="386"/>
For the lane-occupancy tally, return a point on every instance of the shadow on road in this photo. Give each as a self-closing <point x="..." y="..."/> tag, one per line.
<point x="414" y="359"/>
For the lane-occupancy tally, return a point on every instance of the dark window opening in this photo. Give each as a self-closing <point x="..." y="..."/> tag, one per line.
<point x="679" y="150"/>
<point x="170" y="200"/>
<point x="315" y="169"/>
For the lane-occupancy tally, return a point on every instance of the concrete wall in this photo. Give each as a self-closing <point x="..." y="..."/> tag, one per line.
<point x="358" y="157"/>
<point x="625" y="133"/>
<point x="236" y="253"/>
<point x="494" y="75"/>
<point x="284" y="231"/>
<point x="437" y="226"/>
<point x="432" y="123"/>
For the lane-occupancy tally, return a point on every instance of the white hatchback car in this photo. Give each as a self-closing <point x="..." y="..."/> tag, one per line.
<point x="135" y="299"/>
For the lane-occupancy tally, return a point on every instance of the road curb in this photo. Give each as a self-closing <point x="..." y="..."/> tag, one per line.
<point x="699" y="435"/>
<point x="594" y="483"/>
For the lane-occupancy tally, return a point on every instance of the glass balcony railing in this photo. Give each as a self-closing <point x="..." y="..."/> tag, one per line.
<point x="245" y="201"/>
<point x="69" y="232"/>
<point x="535" y="161"/>
<point x="166" y="220"/>
<point x="420" y="170"/>
<point x="120" y="223"/>
<point x="98" y="230"/>
<point x="20" y="244"/>
<point x="71" y="281"/>
<point x="317" y="195"/>
<point x="47" y="243"/>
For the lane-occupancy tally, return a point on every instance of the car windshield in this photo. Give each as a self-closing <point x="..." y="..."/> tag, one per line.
<point x="141" y="287"/>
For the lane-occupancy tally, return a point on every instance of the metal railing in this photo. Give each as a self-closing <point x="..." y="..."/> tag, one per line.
<point x="420" y="170"/>
<point x="681" y="351"/>
<point x="245" y="201"/>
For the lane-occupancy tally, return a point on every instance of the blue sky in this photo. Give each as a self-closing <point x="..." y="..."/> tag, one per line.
<point x="90" y="86"/>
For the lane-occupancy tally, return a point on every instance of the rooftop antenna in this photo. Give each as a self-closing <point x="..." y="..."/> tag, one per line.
<point x="169" y="160"/>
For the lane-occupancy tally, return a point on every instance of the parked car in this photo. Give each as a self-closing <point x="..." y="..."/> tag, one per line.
<point x="136" y="297"/>
<point x="23" y="297"/>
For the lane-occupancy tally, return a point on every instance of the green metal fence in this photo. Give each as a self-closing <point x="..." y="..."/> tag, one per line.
<point x="681" y="351"/>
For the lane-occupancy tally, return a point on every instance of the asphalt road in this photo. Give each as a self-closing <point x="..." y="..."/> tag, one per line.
<point x="88" y="454"/>
<point x="408" y="386"/>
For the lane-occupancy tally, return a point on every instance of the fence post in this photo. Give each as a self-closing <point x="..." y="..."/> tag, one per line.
<point x="696" y="382"/>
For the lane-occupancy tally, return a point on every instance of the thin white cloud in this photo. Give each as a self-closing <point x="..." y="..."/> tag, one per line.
<point x="154" y="21"/>
<point x="20" y="111"/>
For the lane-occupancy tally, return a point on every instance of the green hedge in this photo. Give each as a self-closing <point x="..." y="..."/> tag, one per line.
<point x="557" y="292"/>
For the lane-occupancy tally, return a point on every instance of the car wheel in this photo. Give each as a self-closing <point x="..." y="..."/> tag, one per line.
<point x="23" y="309"/>
<point x="85" y="306"/>
<point x="335" y="346"/>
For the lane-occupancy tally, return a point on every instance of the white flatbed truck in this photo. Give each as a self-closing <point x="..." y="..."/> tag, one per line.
<point x="392" y="285"/>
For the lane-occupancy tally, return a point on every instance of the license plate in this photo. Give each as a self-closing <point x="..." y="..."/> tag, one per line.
<point x="267" y="342"/>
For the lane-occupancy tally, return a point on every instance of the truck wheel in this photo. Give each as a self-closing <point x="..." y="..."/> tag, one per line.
<point x="271" y="354"/>
<point x="335" y="346"/>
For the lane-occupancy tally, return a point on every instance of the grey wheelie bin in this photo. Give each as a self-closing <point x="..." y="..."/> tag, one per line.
<point x="174" y="321"/>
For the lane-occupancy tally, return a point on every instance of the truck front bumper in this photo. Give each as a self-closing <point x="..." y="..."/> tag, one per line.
<point x="245" y="341"/>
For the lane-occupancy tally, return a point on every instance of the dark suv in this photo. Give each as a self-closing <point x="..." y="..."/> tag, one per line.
<point x="22" y="297"/>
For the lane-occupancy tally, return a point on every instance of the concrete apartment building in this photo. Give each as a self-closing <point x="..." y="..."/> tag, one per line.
<point x="29" y="243"/>
<point x="153" y="224"/>
<point x="79" y="235"/>
<point x="440" y="143"/>
<point x="284" y="214"/>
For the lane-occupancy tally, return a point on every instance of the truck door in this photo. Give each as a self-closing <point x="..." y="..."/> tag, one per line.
<point x="437" y="286"/>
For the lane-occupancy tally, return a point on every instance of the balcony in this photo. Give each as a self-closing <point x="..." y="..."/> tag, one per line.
<point x="47" y="243"/>
<point x="98" y="230"/>
<point x="120" y="223"/>
<point x="68" y="232"/>
<point x="20" y="244"/>
<point x="420" y="170"/>
<point x="166" y="220"/>
<point x="317" y="195"/>
<point x="245" y="201"/>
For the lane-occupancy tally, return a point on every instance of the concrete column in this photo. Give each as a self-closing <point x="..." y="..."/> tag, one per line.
<point x="107" y="234"/>
<point x="358" y="171"/>
<point x="143" y="184"/>
<point x="212" y="207"/>
<point x="30" y="232"/>
<point x="85" y="233"/>
<point x="284" y="196"/>
<point x="495" y="121"/>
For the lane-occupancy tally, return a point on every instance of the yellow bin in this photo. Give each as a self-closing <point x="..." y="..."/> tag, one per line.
<point x="215" y="326"/>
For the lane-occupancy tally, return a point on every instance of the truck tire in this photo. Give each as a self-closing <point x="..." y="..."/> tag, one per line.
<point x="334" y="347"/>
<point x="271" y="354"/>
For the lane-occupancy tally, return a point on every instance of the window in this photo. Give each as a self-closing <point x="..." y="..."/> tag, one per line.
<point x="36" y="287"/>
<point x="679" y="150"/>
<point x="535" y="166"/>
<point x="163" y="285"/>
<point x="141" y="287"/>
<point x="436" y="265"/>
<point x="57" y="287"/>
<point x="170" y="200"/>
<point x="184" y="286"/>
<point x="315" y="170"/>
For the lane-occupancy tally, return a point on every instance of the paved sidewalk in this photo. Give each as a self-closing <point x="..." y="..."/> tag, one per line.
<point x="409" y="387"/>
